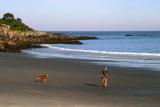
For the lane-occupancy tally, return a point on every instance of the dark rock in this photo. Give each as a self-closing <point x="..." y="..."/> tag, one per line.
<point x="128" y="35"/>
<point x="14" y="41"/>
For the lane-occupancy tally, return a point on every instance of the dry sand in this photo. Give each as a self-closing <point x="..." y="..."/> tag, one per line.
<point x="73" y="83"/>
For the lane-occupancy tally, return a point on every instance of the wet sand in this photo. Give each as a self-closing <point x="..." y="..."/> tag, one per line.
<point x="74" y="83"/>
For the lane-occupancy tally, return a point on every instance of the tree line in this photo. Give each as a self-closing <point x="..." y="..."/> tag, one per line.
<point x="15" y="24"/>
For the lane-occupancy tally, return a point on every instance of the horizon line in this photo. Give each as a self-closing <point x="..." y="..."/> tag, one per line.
<point x="102" y="31"/>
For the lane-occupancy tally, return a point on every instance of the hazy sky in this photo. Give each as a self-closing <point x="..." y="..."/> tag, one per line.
<point x="91" y="15"/>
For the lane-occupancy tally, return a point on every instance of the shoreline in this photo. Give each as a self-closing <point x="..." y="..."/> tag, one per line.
<point x="74" y="82"/>
<point x="112" y="60"/>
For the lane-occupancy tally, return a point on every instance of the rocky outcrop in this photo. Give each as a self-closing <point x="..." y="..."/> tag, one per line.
<point x="14" y="41"/>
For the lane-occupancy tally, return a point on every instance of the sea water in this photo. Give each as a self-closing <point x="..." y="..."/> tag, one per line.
<point x="129" y="49"/>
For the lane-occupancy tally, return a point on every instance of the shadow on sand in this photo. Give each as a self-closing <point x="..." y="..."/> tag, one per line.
<point x="93" y="85"/>
<point x="37" y="81"/>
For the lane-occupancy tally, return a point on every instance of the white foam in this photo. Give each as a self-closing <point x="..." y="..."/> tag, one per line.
<point x="144" y="60"/>
<point x="103" y="52"/>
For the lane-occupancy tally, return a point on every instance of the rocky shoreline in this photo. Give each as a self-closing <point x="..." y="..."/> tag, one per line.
<point x="14" y="41"/>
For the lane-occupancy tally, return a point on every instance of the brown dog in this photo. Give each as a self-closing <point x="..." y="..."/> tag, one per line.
<point x="42" y="77"/>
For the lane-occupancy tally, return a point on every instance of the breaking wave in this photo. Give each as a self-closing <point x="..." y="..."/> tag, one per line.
<point x="103" y="52"/>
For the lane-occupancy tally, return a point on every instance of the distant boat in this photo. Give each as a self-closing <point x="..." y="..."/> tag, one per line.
<point x="128" y="35"/>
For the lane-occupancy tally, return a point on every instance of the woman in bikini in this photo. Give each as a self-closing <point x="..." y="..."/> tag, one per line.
<point x="104" y="78"/>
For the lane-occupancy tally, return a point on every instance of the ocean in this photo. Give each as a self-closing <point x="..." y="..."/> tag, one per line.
<point x="128" y="48"/>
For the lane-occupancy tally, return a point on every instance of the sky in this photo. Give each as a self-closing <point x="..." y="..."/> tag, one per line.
<point x="86" y="15"/>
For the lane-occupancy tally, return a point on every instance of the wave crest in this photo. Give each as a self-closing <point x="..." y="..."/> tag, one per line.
<point x="102" y="52"/>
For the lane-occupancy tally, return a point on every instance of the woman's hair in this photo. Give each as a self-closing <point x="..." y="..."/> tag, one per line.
<point x="105" y="68"/>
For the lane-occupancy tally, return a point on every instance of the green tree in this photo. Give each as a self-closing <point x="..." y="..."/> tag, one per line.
<point x="19" y="20"/>
<point x="0" y="21"/>
<point x="15" y="24"/>
<point x="7" y="16"/>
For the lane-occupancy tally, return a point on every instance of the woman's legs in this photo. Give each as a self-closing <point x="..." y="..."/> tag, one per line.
<point x="105" y="82"/>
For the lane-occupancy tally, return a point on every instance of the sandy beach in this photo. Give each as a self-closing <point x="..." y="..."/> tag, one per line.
<point x="74" y="83"/>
